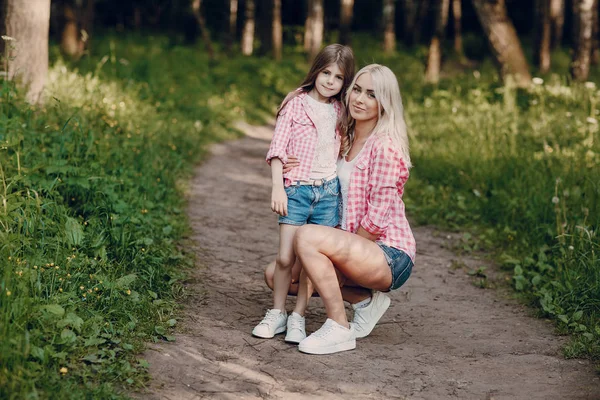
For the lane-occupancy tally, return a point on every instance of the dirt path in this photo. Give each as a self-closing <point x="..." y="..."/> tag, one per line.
<point x="441" y="338"/>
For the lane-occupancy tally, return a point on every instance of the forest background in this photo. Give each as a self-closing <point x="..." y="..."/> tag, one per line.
<point x="121" y="99"/>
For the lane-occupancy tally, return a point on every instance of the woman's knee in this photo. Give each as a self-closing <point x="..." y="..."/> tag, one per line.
<point x="306" y="238"/>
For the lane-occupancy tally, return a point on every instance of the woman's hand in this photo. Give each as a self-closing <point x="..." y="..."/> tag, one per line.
<point x="279" y="200"/>
<point x="292" y="163"/>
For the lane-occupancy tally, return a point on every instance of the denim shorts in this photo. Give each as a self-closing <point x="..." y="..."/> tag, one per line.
<point x="400" y="264"/>
<point x="309" y="204"/>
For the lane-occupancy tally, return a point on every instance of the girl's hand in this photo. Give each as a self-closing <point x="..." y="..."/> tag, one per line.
<point x="291" y="164"/>
<point x="279" y="200"/>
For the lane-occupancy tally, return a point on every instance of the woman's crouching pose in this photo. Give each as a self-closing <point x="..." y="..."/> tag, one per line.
<point x="374" y="251"/>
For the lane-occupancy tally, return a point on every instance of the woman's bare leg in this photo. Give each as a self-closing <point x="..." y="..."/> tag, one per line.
<point x="360" y="260"/>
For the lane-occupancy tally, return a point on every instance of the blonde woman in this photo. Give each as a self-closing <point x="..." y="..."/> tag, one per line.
<point x="375" y="250"/>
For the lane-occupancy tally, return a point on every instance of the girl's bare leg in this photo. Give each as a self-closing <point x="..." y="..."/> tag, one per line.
<point x="282" y="275"/>
<point x="305" y="291"/>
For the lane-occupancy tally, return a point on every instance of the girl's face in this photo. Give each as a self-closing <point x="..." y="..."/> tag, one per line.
<point x="363" y="105"/>
<point x="329" y="82"/>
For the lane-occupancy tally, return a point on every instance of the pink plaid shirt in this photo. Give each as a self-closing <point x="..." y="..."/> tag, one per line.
<point x="375" y="195"/>
<point x="296" y="134"/>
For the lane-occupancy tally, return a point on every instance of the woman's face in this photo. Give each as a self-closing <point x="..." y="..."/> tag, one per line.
<point x="363" y="105"/>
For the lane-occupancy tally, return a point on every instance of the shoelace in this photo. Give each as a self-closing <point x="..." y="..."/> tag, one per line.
<point x="296" y="323"/>
<point x="324" y="331"/>
<point x="270" y="317"/>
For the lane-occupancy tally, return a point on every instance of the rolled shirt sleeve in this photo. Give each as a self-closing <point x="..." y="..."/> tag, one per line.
<point x="282" y="134"/>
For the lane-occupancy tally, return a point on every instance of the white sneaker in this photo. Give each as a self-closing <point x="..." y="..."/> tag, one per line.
<point x="295" y="328"/>
<point x="272" y="324"/>
<point x="365" y="318"/>
<point x="330" y="338"/>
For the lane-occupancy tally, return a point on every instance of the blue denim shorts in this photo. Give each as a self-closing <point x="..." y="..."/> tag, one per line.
<point x="313" y="204"/>
<point x="400" y="264"/>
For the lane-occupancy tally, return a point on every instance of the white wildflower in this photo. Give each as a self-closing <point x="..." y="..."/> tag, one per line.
<point x="590" y="85"/>
<point x="592" y="120"/>
<point x="8" y="38"/>
<point x="537" y="81"/>
<point x="555" y="200"/>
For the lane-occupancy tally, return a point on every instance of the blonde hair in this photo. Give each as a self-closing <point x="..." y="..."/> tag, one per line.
<point x="390" y="120"/>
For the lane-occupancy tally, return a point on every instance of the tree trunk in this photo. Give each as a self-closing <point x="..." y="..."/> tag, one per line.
<point x="277" y="30"/>
<point x="308" y="26"/>
<point x="503" y="39"/>
<point x="557" y="21"/>
<point x="231" y="35"/>
<point x="389" y="33"/>
<point x="595" y="38"/>
<point x="264" y="26"/>
<point x="457" y="15"/>
<point x="434" y="57"/>
<point x="543" y="35"/>
<point x="580" y="67"/>
<point x="203" y="28"/>
<point x="28" y="22"/>
<point x="346" y="14"/>
<point x="409" y="11"/>
<point x="248" y="33"/>
<point x="424" y="8"/>
<point x="317" y="27"/>
<point x="71" y="44"/>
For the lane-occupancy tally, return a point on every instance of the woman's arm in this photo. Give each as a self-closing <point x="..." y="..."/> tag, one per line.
<point x="387" y="170"/>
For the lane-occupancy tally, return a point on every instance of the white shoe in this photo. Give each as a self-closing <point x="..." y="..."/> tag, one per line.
<point x="295" y="328"/>
<point x="274" y="322"/>
<point x="365" y="318"/>
<point x="330" y="338"/>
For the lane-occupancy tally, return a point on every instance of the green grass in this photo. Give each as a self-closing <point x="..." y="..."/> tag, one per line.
<point x="91" y="186"/>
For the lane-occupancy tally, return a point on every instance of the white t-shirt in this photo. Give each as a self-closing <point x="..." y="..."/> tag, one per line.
<point x="323" y="165"/>
<point x="344" y="172"/>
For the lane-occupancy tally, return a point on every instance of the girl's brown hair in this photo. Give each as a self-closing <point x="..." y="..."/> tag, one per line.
<point x="334" y="53"/>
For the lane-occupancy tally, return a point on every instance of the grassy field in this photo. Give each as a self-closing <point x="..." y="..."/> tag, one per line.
<point x="92" y="219"/>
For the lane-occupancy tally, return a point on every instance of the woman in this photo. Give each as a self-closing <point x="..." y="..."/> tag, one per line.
<point x="374" y="251"/>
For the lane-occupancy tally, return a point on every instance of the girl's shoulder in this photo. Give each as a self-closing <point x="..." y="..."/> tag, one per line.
<point x="292" y="101"/>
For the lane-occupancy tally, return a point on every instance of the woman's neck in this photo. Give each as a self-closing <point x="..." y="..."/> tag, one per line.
<point x="363" y="129"/>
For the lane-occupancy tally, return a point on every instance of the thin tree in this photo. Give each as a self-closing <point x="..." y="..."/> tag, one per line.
<point x="196" y="4"/>
<point x="71" y="43"/>
<point x="543" y="35"/>
<point x="317" y="27"/>
<point x="232" y="33"/>
<point x="277" y="30"/>
<point x="503" y="39"/>
<point x="26" y="23"/>
<point x="557" y="21"/>
<point x="389" y="33"/>
<point x="249" y="25"/>
<point x="457" y="16"/>
<point x="308" y="29"/>
<point x="346" y="14"/>
<point x="434" y="57"/>
<point x="580" y="66"/>
<point x="409" y="11"/>
<point x="595" y="36"/>
<point x="264" y="26"/>
<point x="424" y="8"/>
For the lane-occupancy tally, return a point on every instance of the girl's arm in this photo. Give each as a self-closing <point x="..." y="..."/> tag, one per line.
<point x="278" y="195"/>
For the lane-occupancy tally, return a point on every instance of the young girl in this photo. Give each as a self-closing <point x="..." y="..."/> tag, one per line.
<point x="306" y="128"/>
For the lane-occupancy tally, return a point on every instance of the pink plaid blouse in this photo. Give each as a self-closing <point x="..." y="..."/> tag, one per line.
<point x="296" y="134"/>
<point x="375" y="195"/>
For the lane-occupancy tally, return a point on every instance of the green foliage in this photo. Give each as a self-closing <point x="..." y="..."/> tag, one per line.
<point x="91" y="192"/>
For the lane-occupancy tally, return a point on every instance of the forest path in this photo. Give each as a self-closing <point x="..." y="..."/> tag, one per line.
<point x="441" y="338"/>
